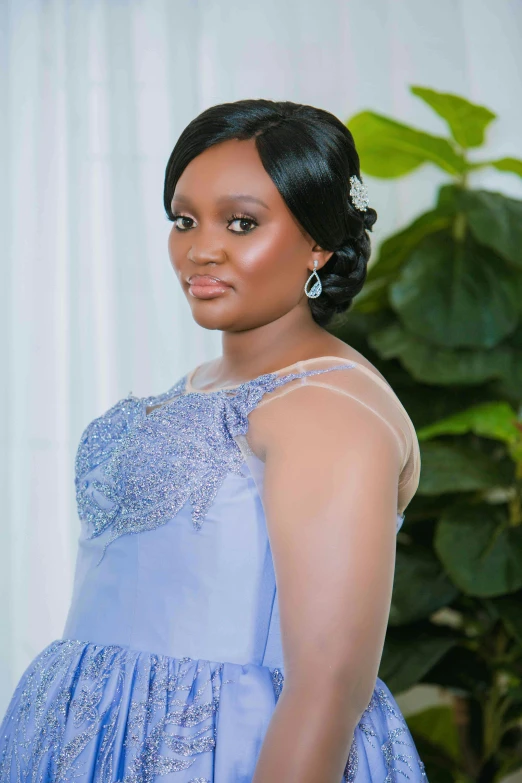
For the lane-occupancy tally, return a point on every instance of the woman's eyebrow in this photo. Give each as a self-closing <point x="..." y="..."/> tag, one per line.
<point x="223" y="199"/>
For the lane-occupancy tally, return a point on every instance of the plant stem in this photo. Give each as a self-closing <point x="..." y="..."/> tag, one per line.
<point x="460" y="223"/>
<point x="471" y="761"/>
<point x="459" y="227"/>
<point x="515" y="505"/>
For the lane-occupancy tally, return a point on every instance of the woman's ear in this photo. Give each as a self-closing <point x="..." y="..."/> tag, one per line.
<point x="322" y="256"/>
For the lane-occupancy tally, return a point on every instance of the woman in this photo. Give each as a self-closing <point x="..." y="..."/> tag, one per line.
<point x="237" y="551"/>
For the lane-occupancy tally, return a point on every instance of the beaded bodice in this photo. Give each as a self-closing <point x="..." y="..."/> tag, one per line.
<point x="174" y="555"/>
<point x="135" y="469"/>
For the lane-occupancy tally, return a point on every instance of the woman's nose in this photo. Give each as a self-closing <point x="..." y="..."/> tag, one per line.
<point x="206" y="254"/>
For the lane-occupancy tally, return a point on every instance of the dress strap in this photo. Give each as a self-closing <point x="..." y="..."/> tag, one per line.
<point x="242" y="400"/>
<point x="280" y="380"/>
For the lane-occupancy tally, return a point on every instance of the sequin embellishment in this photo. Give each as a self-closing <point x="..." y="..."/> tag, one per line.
<point x="278" y="681"/>
<point x="380" y="701"/>
<point x="77" y="695"/>
<point x="135" y="470"/>
<point x="86" y="712"/>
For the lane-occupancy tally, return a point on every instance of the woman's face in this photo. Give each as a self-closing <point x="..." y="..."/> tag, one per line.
<point x="231" y="223"/>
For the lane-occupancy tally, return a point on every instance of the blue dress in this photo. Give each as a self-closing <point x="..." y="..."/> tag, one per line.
<point x="170" y="664"/>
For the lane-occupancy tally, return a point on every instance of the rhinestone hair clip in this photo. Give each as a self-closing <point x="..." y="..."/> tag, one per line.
<point x="359" y="194"/>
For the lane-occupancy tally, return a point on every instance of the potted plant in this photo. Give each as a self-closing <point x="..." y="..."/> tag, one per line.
<point x="441" y="317"/>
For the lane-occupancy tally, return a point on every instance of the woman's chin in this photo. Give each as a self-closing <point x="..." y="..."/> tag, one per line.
<point x="209" y="317"/>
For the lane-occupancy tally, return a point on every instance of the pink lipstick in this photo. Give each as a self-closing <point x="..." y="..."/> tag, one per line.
<point x="206" y="286"/>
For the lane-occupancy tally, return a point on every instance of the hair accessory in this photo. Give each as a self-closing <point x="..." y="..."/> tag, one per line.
<point x="359" y="194"/>
<point x="317" y="287"/>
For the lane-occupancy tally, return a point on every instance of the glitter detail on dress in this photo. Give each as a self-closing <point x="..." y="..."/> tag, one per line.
<point x="135" y="471"/>
<point x="86" y="712"/>
<point x="93" y="684"/>
<point x="381" y="702"/>
<point x="278" y="682"/>
<point x="352" y="765"/>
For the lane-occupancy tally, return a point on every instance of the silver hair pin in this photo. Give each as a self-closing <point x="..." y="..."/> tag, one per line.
<point x="359" y="194"/>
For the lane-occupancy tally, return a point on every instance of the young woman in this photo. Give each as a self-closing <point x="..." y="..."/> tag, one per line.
<point x="237" y="549"/>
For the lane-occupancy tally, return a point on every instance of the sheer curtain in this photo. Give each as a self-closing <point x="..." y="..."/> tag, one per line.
<point x="93" y="97"/>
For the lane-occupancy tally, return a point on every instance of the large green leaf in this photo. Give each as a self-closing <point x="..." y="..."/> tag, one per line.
<point x="411" y="651"/>
<point x="441" y="366"/>
<point x="495" y="221"/>
<point x="447" y="199"/>
<point x="437" y="724"/>
<point x="373" y="297"/>
<point x="489" y="419"/>
<point x="467" y="121"/>
<point x="512" y="165"/>
<point x="420" y="586"/>
<point x="479" y="550"/>
<point x="395" y="250"/>
<point x="510" y="388"/>
<point x="390" y="149"/>
<point x="450" y="468"/>
<point x="495" y="420"/>
<point x="456" y="294"/>
<point x="510" y="384"/>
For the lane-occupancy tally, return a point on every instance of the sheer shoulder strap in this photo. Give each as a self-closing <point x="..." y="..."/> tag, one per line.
<point x="369" y="389"/>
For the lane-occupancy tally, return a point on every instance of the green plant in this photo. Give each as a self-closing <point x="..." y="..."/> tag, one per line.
<point x="441" y="317"/>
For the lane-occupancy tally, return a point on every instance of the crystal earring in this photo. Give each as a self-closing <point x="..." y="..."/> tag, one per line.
<point x="317" y="287"/>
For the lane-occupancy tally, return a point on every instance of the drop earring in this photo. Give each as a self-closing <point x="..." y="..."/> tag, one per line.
<point x="317" y="287"/>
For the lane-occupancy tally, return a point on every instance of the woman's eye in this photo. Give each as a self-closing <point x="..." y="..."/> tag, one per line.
<point x="181" y="218"/>
<point x="243" y="220"/>
<point x="246" y="224"/>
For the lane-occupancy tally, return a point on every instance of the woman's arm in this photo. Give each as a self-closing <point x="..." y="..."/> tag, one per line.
<point x="330" y="496"/>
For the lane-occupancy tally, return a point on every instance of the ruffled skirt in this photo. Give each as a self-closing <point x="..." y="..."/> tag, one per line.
<point x="106" y="714"/>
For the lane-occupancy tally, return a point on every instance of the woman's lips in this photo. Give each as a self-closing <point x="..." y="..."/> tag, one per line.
<point x="206" y="287"/>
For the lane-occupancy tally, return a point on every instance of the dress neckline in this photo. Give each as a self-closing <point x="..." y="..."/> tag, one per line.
<point x="213" y="389"/>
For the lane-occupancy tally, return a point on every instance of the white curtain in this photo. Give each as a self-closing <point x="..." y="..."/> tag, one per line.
<point x="93" y="96"/>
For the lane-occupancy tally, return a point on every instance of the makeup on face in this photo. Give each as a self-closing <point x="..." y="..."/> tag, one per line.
<point x="207" y="286"/>
<point x="240" y="255"/>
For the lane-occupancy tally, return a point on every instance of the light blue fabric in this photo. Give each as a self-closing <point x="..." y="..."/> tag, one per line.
<point x="170" y="664"/>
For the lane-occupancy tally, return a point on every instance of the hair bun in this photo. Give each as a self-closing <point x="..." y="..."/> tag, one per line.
<point x="369" y="218"/>
<point x="344" y="274"/>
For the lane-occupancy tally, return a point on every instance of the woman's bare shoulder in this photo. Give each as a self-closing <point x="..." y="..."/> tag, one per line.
<point x="345" y="351"/>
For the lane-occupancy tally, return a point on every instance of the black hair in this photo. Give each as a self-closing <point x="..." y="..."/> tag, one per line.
<point x="310" y="155"/>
